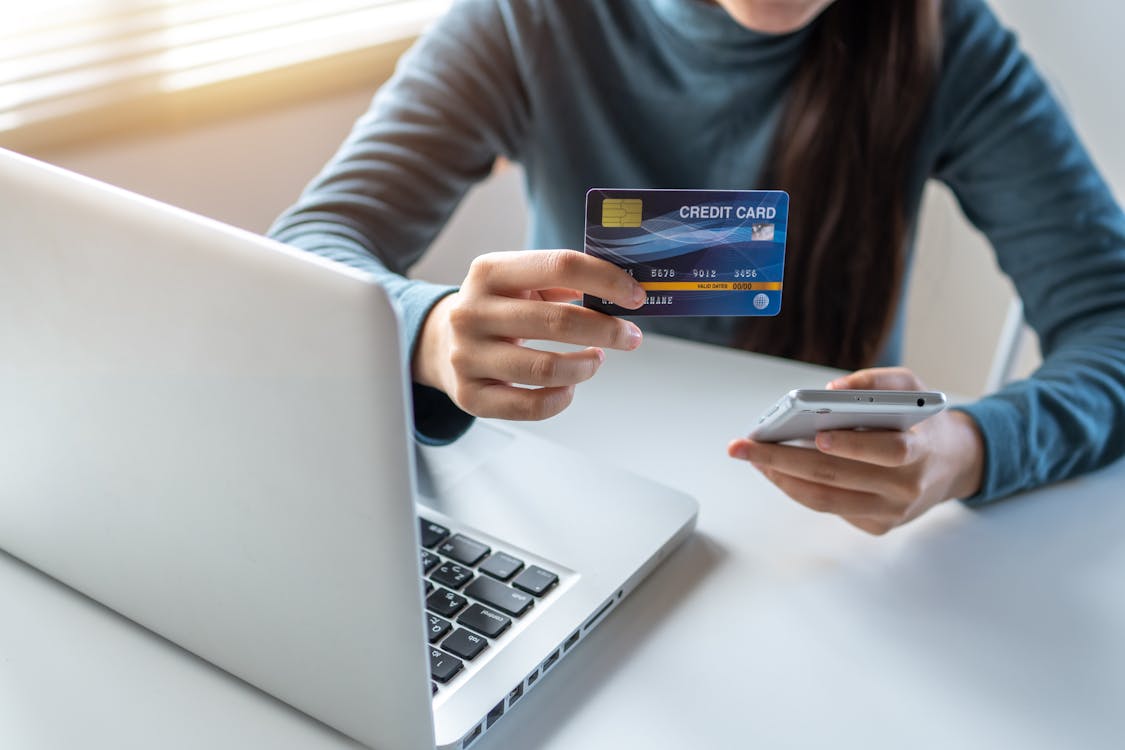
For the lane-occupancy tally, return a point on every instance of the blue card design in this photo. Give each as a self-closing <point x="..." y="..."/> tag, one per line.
<point x="696" y="252"/>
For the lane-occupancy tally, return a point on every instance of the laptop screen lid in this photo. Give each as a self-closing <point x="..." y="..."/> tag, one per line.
<point x="168" y="382"/>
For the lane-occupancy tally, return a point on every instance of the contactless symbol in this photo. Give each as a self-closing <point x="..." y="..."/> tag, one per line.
<point x="761" y="301"/>
<point x="621" y="212"/>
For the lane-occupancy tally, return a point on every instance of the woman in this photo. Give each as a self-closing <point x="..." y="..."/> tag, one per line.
<point x="850" y="106"/>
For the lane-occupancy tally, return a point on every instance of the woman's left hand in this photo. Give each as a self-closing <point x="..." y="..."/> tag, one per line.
<point x="876" y="480"/>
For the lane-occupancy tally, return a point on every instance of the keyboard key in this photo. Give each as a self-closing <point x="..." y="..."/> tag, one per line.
<point x="535" y="580"/>
<point x="463" y="549"/>
<point x="436" y="627"/>
<point x="495" y="594"/>
<point x="501" y="565"/>
<point x="443" y="666"/>
<point x="464" y="644"/>
<point x="445" y="603"/>
<point x="484" y="621"/>
<point x="451" y="575"/>
<point x="429" y="560"/>
<point x="432" y="533"/>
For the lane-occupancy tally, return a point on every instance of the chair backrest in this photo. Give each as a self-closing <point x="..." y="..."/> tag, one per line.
<point x="1010" y="348"/>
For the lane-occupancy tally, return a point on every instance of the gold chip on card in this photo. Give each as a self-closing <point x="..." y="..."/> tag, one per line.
<point x="621" y="212"/>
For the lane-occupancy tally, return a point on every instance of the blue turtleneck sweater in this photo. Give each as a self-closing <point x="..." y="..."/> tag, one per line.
<point x="653" y="93"/>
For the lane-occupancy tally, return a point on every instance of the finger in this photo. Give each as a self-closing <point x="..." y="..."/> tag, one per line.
<point x="890" y="448"/>
<point x="880" y="379"/>
<point x="560" y="295"/>
<point x="870" y="525"/>
<point x="826" y="499"/>
<point x="510" y="318"/>
<point x="503" y="401"/>
<point x="550" y="269"/>
<point x="509" y="363"/>
<point x="814" y="466"/>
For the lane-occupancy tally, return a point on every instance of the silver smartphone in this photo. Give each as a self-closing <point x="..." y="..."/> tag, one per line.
<point x="800" y="414"/>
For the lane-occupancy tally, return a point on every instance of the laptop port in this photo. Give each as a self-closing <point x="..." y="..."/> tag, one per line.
<point x="597" y="615"/>
<point x="515" y="695"/>
<point x="570" y="641"/>
<point x="550" y="662"/>
<point x="531" y="678"/>
<point x="472" y="737"/>
<point x="493" y="715"/>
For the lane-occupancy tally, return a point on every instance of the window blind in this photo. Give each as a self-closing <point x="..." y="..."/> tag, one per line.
<point x="59" y="58"/>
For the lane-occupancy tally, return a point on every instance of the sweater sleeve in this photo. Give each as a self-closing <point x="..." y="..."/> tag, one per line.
<point x="455" y="103"/>
<point x="1023" y="178"/>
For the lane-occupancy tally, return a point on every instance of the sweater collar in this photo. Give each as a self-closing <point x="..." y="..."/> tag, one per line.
<point x="706" y="23"/>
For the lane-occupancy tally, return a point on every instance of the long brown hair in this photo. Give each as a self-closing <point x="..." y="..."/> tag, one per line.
<point x="844" y="150"/>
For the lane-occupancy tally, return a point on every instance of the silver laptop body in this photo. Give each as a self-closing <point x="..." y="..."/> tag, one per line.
<point x="207" y="431"/>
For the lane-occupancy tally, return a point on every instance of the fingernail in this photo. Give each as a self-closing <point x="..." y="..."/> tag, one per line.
<point x="823" y="441"/>
<point x="837" y="383"/>
<point x="633" y="335"/>
<point x="639" y="294"/>
<point x="600" y="354"/>
<point x="741" y="452"/>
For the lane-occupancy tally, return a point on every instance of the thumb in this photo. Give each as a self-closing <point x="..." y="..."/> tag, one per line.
<point x="879" y="379"/>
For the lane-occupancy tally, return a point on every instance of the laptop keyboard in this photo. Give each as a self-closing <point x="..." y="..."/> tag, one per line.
<point x="473" y="594"/>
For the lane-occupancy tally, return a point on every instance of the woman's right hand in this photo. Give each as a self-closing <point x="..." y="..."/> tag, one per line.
<point x="471" y="343"/>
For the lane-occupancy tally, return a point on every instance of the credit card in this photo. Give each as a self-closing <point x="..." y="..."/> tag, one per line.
<point x="696" y="252"/>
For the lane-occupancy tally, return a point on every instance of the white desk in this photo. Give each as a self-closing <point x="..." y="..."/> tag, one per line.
<point x="773" y="627"/>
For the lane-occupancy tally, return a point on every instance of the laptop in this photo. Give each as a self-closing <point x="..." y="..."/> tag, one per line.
<point x="207" y="431"/>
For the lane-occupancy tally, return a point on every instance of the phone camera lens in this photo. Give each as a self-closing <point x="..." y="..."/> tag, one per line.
<point x="921" y="402"/>
<point x="871" y="399"/>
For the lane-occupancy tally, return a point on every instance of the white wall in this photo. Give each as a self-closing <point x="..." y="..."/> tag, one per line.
<point x="245" y="171"/>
